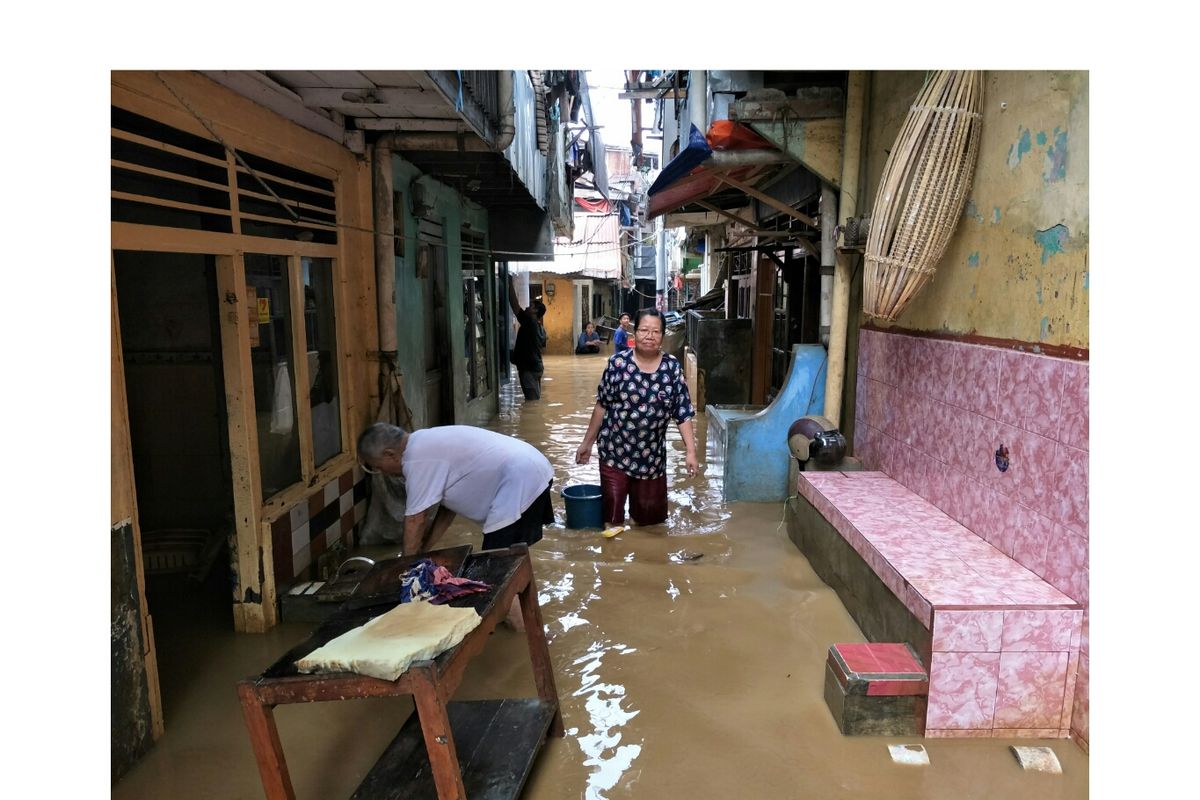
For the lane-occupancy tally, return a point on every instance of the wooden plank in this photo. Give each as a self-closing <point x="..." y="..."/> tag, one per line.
<point x="497" y="742"/>
<point x="168" y="148"/>
<point x="264" y="739"/>
<point x="287" y="182"/>
<point x="158" y="201"/>
<point x="762" y="324"/>
<point x="418" y="125"/>
<point x="303" y="387"/>
<point x="766" y="199"/>
<point x="251" y="615"/>
<point x="124" y="498"/>
<point x="440" y="747"/>
<point x="157" y="238"/>
<point x="174" y="176"/>
<point x="362" y="97"/>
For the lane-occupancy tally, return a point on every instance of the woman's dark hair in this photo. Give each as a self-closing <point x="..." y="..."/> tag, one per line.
<point x="650" y="312"/>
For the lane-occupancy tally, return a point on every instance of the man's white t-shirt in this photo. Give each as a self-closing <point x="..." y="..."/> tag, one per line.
<point x="485" y="476"/>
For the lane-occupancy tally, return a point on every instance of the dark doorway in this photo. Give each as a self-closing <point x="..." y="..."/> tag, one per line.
<point x="174" y="384"/>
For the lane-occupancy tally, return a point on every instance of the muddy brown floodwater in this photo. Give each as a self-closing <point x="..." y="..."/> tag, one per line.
<point x="689" y="658"/>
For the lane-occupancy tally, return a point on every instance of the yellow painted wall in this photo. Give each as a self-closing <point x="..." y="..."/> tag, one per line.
<point x="560" y="313"/>
<point x="1017" y="265"/>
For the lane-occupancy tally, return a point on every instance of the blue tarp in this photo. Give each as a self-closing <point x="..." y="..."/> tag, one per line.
<point x="690" y="157"/>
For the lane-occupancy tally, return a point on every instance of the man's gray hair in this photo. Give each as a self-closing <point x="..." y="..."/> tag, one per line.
<point x="377" y="438"/>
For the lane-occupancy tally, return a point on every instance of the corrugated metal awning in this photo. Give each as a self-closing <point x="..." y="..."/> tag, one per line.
<point x="594" y="253"/>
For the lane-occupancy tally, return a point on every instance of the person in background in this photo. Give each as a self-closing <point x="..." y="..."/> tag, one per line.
<point x="499" y="482"/>
<point x="531" y="340"/>
<point x="640" y="393"/>
<point x="589" y="341"/>
<point x="622" y="339"/>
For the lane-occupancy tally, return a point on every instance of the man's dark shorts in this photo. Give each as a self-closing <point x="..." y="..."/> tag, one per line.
<point x="527" y="529"/>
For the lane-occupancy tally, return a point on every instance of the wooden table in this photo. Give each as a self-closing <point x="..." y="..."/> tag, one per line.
<point x="484" y="747"/>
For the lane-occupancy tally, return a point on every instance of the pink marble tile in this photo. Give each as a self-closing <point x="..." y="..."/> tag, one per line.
<point x="906" y="361"/>
<point x="955" y="444"/>
<point x="962" y="690"/>
<point x="984" y="733"/>
<point x="942" y="356"/>
<point x="864" y="445"/>
<point x="1080" y="714"/>
<point x="1027" y="733"/>
<point x="1071" y="506"/>
<point x="882" y="366"/>
<point x="963" y="590"/>
<point x="1035" y="593"/>
<point x="866" y="351"/>
<point x="862" y="394"/>
<point x="1031" y="539"/>
<point x="968" y="631"/>
<point x="878" y="397"/>
<point x="1031" y="475"/>
<point x="1067" y="563"/>
<point x="1073" y="427"/>
<point x="1030" y="690"/>
<point x="928" y="374"/>
<point x="1064" y="721"/>
<point x="977" y="382"/>
<point x="1026" y="631"/>
<point x="918" y="604"/>
<point x="996" y="519"/>
<point x="1031" y="389"/>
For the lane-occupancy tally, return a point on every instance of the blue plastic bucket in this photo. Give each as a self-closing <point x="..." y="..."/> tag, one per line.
<point x="583" y="506"/>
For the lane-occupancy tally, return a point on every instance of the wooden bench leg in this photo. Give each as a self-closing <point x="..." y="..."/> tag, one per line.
<point x="439" y="740"/>
<point x="539" y="653"/>
<point x="264" y="738"/>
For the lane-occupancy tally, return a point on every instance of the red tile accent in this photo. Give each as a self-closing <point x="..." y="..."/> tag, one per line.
<point x="866" y="658"/>
<point x="347" y="522"/>
<point x="345" y="482"/>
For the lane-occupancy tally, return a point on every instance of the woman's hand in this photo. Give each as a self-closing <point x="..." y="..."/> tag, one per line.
<point x="693" y="464"/>
<point x="584" y="453"/>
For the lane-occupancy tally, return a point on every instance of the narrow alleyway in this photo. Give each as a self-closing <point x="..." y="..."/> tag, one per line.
<point x="689" y="659"/>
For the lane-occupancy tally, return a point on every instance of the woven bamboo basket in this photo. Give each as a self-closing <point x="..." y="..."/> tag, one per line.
<point x="922" y="192"/>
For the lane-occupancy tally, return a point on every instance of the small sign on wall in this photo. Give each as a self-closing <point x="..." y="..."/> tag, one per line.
<point x="264" y="310"/>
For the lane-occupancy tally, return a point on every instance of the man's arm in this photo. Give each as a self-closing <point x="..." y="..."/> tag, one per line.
<point x="512" y="297"/>
<point x="440" y="523"/>
<point x="414" y="530"/>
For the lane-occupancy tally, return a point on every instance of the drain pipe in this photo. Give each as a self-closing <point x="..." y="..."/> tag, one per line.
<point x="508" y="110"/>
<point x="828" y="255"/>
<point x="835" y="375"/>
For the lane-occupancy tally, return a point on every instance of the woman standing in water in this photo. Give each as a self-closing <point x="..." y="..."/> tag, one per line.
<point x="641" y="392"/>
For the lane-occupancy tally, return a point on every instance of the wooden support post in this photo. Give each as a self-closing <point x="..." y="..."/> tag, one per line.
<point x="763" y="327"/>
<point x="439" y="740"/>
<point x="539" y="653"/>
<point x="264" y="738"/>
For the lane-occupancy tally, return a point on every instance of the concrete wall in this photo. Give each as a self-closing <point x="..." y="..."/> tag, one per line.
<point x="1017" y="266"/>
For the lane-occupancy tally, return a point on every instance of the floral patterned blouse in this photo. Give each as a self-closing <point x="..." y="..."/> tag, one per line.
<point x="638" y="407"/>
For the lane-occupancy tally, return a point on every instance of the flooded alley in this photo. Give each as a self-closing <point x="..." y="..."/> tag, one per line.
<point x="689" y="659"/>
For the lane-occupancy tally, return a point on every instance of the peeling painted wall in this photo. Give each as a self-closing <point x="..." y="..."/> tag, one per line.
<point x="1017" y="266"/>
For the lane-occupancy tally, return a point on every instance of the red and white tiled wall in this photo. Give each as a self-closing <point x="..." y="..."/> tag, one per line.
<point x="329" y="515"/>
<point x="932" y="413"/>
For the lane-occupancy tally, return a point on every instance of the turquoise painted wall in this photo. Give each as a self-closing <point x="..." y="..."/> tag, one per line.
<point x="453" y="211"/>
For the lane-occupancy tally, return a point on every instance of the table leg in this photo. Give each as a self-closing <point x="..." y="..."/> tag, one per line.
<point x="539" y="653"/>
<point x="439" y="741"/>
<point x="264" y="738"/>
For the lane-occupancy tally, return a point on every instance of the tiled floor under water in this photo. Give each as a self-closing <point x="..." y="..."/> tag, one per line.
<point x="689" y="658"/>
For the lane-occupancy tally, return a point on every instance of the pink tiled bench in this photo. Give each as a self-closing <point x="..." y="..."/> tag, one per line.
<point x="1005" y="644"/>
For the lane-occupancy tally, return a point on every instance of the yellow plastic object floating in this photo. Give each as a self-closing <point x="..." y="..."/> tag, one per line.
<point x="609" y="533"/>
